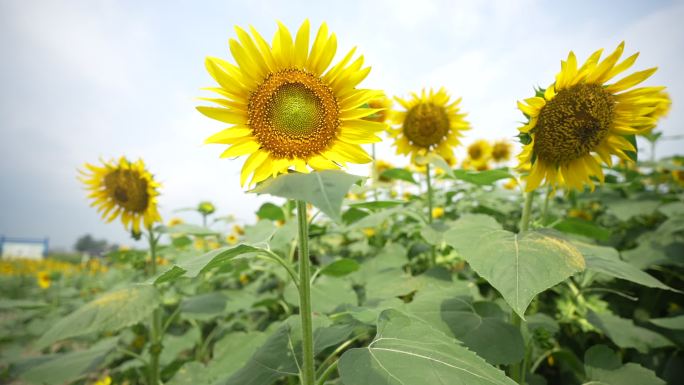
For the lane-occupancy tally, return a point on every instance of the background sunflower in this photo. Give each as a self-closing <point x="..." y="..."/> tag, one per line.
<point x="430" y="122"/>
<point x="123" y="189"/>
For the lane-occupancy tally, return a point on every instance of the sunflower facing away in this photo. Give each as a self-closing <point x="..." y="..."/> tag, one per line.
<point x="123" y="189"/>
<point x="581" y="120"/>
<point x="430" y="123"/>
<point x="287" y="107"/>
<point x="501" y="151"/>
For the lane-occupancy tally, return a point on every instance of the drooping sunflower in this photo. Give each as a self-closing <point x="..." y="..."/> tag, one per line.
<point x="288" y="107"/>
<point x="431" y="122"/>
<point x="583" y="118"/>
<point x="123" y="189"/>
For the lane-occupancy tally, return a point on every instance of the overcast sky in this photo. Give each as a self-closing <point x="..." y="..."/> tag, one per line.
<point x="80" y="80"/>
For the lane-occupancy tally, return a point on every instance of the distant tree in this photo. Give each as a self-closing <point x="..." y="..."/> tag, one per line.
<point x="90" y="245"/>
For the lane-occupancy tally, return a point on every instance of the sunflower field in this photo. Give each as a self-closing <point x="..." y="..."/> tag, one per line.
<point x="563" y="268"/>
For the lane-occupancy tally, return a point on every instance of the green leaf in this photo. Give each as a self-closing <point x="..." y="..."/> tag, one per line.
<point x="204" y="306"/>
<point x="109" y="312"/>
<point x="584" y="228"/>
<point x="188" y="229"/>
<point x="270" y="211"/>
<point x="519" y="266"/>
<point x="603" y="366"/>
<point x="626" y="209"/>
<point x="232" y="353"/>
<point x="632" y="154"/>
<point x="9" y="304"/>
<point x="407" y="351"/>
<point x="399" y="173"/>
<point x="175" y="345"/>
<point x="327" y="293"/>
<point x="66" y="367"/>
<point x="481" y="326"/>
<point x="375" y="205"/>
<point x="323" y="189"/>
<point x="260" y="233"/>
<point x="625" y="334"/>
<point x="482" y="178"/>
<point x="437" y="161"/>
<point x="606" y="260"/>
<point x="193" y="267"/>
<point x="672" y="323"/>
<point x="340" y="267"/>
<point x="672" y="209"/>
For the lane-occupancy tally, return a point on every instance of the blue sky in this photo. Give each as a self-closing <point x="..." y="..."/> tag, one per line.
<point x="88" y="79"/>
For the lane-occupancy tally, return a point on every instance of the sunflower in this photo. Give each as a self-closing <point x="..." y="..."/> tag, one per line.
<point x="479" y="154"/>
<point x="383" y="104"/>
<point x="501" y="151"/>
<point x="380" y="167"/>
<point x="124" y="189"/>
<point x="430" y="123"/>
<point x="288" y="107"/>
<point x="581" y="120"/>
<point x="44" y="279"/>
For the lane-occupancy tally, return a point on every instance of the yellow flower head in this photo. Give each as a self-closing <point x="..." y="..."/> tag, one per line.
<point x="501" y="151"/>
<point x="288" y="107"/>
<point x="430" y="122"/>
<point x="479" y="154"/>
<point x="44" y="279"/>
<point x="232" y="239"/>
<point x="368" y="231"/>
<point x="239" y="230"/>
<point x="107" y="380"/>
<point x="174" y="221"/>
<point x="581" y="120"/>
<point x="123" y="189"/>
<point x="380" y="167"/>
<point x="511" y="184"/>
<point x="383" y="104"/>
<point x="437" y="212"/>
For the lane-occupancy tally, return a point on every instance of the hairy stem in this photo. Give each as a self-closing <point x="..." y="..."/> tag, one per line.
<point x="308" y="371"/>
<point x="156" y="327"/>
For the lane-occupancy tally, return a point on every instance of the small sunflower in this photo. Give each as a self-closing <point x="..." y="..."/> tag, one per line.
<point x="380" y="167"/>
<point x="501" y="151"/>
<point x="384" y="105"/>
<point x="288" y="107"/>
<point x="580" y="121"/>
<point x="123" y="189"/>
<point x="479" y="154"/>
<point x="431" y="122"/>
<point x="44" y="279"/>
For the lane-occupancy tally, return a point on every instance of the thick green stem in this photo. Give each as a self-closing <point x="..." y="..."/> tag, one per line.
<point x="156" y="329"/>
<point x="515" y="369"/>
<point x="527" y="210"/>
<point x="308" y="371"/>
<point x="545" y="210"/>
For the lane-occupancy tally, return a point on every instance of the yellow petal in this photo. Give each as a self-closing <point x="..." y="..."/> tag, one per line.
<point x="244" y="147"/>
<point x="302" y="45"/>
<point x="229" y="135"/>
<point x="224" y="115"/>
<point x="631" y="80"/>
<point x="253" y="161"/>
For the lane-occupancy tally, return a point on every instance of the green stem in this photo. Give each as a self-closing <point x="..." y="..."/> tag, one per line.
<point x="308" y="371"/>
<point x="428" y="181"/>
<point x="515" y="369"/>
<point x="527" y="210"/>
<point x="328" y="371"/>
<point x="155" y="346"/>
<point x="546" y="205"/>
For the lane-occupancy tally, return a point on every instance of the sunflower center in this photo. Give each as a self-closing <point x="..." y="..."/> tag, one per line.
<point x="475" y="152"/>
<point x="127" y="189"/>
<point x="426" y="125"/>
<point x="293" y="115"/>
<point x="573" y="123"/>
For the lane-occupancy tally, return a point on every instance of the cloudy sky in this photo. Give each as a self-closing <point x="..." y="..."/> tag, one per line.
<point x="80" y="80"/>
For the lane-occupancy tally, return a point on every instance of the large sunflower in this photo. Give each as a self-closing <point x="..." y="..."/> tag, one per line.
<point x="288" y="107"/>
<point x="123" y="189"/>
<point x="430" y="123"/>
<point x="581" y="120"/>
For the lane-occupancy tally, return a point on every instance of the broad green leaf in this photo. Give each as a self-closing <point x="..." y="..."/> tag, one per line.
<point x="482" y="178"/>
<point x="62" y="368"/>
<point x="481" y="326"/>
<point x="323" y="189"/>
<point x="232" y="352"/>
<point x="584" y="228"/>
<point x="375" y="205"/>
<point x="340" y="267"/>
<point x="109" y="312"/>
<point x="519" y="266"/>
<point x="191" y="373"/>
<point x="606" y="260"/>
<point x="270" y="211"/>
<point x="626" y="209"/>
<point x="260" y="233"/>
<point x="399" y="173"/>
<point x="626" y="334"/>
<point x="603" y="366"/>
<point x="407" y="351"/>
<point x="9" y="304"/>
<point x="327" y="293"/>
<point x="174" y="345"/>
<point x="204" y="306"/>
<point x="672" y="209"/>
<point x="673" y="323"/>
<point x="188" y="229"/>
<point x="434" y="232"/>
<point x="193" y="267"/>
